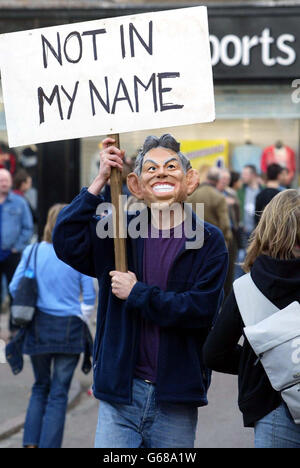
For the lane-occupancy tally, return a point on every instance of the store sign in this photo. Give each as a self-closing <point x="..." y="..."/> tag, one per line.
<point x="107" y="76"/>
<point x="255" y="47"/>
<point x="206" y="152"/>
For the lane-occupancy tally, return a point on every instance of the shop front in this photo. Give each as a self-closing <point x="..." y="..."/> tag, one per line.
<point x="256" y="62"/>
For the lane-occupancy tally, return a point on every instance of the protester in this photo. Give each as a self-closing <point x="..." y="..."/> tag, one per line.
<point x="55" y="338"/>
<point x="127" y="168"/>
<point x="272" y="188"/>
<point x="215" y="207"/>
<point x="273" y="258"/>
<point x="16" y="228"/>
<point x="153" y="320"/>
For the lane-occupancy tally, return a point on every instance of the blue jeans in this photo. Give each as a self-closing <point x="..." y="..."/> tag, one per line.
<point x="45" y="418"/>
<point x="145" y="423"/>
<point x="277" y="430"/>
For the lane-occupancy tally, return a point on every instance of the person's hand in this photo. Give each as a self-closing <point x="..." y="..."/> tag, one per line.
<point x="110" y="156"/>
<point x="122" y="283"/>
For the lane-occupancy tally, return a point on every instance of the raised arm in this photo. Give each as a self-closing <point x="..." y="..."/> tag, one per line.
<point x="75" y="231"/>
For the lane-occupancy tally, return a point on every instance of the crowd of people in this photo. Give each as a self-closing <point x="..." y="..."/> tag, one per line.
<point x="163" y="325"/>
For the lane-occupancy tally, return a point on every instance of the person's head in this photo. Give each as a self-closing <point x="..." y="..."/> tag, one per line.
<point x="22" y="181"/>
<point x="4" y="153"/>
<point x="273" y="172"/>
<point x="213" y="175"/>
<point x="235" y="180"/>
<point x="203" y="170"/>
<point x="162" y="173"/>
<point x="278" y="231"/>
<point x="224" y="180"/>
<point x="284" y="177"/>
<point x="53" y="212"/>
<point x="249" y="174"/>
<point x="5" y="182"/>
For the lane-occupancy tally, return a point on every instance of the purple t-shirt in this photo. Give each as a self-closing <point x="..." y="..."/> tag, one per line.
<point x="159" y="254"/>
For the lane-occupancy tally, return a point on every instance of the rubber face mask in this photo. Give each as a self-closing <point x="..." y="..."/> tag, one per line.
<point x="163" y="179"/>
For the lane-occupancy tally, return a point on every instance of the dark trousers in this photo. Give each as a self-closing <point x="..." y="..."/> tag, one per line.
<point x="7" y="268"/>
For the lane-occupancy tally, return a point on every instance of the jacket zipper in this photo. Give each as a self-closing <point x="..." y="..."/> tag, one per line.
<point x="179" y="255"/>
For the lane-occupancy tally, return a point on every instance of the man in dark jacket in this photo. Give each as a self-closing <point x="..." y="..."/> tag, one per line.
<point x="153" y="320"/>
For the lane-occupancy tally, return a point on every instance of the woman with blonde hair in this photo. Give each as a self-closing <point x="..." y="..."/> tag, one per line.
<point x="273" y="260"/>
<point x="54" y="339"/>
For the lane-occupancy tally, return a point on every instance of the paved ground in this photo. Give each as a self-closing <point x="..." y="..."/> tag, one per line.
<point x="219" y="425"/>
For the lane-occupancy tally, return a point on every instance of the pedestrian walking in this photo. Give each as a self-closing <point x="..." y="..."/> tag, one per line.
<point x="273" y="259"/>
<point x="152" y="320"/>
<point x="54" y="339"/>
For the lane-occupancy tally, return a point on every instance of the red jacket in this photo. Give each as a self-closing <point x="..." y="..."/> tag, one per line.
<point x="284" y="156"/>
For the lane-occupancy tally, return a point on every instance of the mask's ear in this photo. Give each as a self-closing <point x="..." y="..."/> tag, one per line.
<point x="192" y="180"/>
<point x="133" y="183"/>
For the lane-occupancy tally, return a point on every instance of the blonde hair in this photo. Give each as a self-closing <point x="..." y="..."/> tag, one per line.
<point x="278" y="231"/>
<point x="51" y="220"/>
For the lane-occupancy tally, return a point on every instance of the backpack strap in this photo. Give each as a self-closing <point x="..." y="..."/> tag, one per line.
<point x="29" y="256"/>
<point x="252" y="304"/>
<point x="35" y="256"/>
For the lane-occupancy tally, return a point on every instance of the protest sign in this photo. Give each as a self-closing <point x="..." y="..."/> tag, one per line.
<point x="116" y="75"/>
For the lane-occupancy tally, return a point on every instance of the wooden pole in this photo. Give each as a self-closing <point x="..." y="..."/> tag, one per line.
<point x="116" y="191"/>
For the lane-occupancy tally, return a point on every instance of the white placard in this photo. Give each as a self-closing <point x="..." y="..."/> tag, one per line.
<point x="116" y="75"/>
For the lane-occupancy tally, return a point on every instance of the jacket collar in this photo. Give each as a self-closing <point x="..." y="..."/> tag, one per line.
<point x="197" y="223"/>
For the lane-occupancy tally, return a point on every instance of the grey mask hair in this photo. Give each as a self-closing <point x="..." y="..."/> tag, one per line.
<point x="165" y="141"/>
